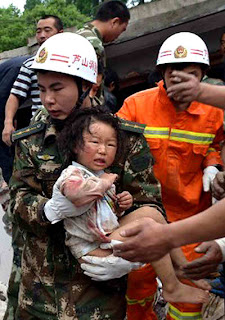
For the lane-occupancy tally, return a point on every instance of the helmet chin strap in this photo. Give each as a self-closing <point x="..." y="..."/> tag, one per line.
<point x="81" y="98"/>
<point x="59" y="124"/>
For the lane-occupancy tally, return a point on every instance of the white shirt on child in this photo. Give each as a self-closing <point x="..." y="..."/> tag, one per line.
<point x="94" y="199"/>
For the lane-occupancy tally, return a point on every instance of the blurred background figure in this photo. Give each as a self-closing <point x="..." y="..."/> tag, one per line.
<point x="111" y="87"/>
<point x="217" y="62"/>
<point x="153" y="78"/>
<point x="8" y="73"/>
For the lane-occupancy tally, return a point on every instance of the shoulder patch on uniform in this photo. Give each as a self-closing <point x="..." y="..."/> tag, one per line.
<point x="27" y="131"/>
<point x="132" y="126"/>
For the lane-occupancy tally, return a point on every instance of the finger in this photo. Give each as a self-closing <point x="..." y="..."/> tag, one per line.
<point x="124" y="203"/>
<point x="221" y="177"/>
<point x="106" y="246"/>
<point x="98" y="279"/>
<point x="181" y="74"/>
<point x="92" y="276"/>
<point x="96" y="270"/>
<point x="129" y="255"/>
<point x="92" y="260"/>
<point x="198" y="276"/>
<point x="196" y="263"/>
<point x="201" y="269"/>
<point x="219" y="183"/>
<point x="123" y="199"/>
<point x="110" y="245"/>
<point x="175" y="89"/>
<point x="202" y="248"/>
<point x="131" y="231"/>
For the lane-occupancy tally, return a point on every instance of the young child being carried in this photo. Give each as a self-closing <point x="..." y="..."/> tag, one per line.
<point x="94" y="140"/>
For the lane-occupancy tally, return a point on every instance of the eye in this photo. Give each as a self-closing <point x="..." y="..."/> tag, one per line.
<point x="58" y="88"/>
<point x="42" y="89"/>
<point x="112" y="145"/>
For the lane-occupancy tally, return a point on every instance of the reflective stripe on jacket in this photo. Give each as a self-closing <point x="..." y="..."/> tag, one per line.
<point x="182" y="143"/>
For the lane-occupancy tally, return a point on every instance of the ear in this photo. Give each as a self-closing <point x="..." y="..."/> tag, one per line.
<point x="112" y="86"/>
<point x="115" y="21"/>
<point x="86" y="85"/>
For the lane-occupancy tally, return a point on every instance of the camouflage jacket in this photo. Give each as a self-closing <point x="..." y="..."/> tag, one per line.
<point x="53" y="286"/>
<point x="90" y="32"/>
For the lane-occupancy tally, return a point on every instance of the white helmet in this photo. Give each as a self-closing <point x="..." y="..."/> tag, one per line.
<point x="68" y="53"/>
<point x="183" y="47"/>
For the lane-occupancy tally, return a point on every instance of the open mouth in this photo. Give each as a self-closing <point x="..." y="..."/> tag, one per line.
<point x="99" y="161"/>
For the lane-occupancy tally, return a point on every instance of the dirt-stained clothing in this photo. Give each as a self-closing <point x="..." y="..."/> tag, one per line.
<point x="53" y="285"/>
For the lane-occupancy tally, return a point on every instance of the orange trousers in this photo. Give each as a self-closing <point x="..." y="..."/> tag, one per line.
<point x="180" y="310"/>
<point x="141" y="289"/>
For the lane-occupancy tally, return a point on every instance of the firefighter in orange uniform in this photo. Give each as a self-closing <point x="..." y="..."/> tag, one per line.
<point x="184" y="139"/>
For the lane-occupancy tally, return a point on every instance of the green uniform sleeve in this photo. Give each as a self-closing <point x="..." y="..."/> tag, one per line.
<point x="136" y="173"/>
<point x="27" y="199"/>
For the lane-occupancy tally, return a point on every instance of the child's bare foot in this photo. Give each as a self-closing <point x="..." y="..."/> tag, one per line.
<point x="184" y="293"/>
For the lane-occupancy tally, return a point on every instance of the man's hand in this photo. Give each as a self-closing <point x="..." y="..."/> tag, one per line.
<point x="207" y="264"/>
<point x="125" y="200"/>
<point x="6" y="133"/>
<point x="218" y="186"/>
<point x="186" y="87"/>
<point x="107" y="268"/>
<point x="145" y="242"/>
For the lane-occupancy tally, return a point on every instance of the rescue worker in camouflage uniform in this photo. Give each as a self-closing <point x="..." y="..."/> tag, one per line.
<point x="53" y="285"/>
<point x="110" y="21"/>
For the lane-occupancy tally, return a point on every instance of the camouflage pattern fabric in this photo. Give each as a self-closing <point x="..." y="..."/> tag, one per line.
<point x="214" y="81"/>
<point x="4" y="192"/>
<point x="53" y="285"/>
<point x="91" y="33"/>
<point x="15" y="276"/>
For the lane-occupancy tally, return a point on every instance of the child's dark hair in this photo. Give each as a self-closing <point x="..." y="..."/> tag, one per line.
<point x="71" y="136"/>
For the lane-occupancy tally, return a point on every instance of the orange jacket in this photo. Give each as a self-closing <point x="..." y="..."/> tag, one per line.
<point x="182" y="143"/>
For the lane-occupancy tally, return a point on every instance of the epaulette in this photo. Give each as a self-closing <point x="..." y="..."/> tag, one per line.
<point x="27" y="131"/>
<point x="132" y="126"/>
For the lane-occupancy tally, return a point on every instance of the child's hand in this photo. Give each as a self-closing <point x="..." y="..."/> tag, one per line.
<point x="125" y="200"/>
<point x="110" y="177"/>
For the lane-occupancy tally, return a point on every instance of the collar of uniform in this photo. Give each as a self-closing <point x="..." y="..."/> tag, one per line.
<point x="50" y="133"/>
<point x="95" y="30"/>
<point x="194" y="108"/>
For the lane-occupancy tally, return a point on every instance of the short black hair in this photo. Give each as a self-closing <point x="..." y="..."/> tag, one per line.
<point x="58" y="22"/>
<point x="112" y="9"/>
<point x="79" y="120"/>
<point x="111" y="76"/>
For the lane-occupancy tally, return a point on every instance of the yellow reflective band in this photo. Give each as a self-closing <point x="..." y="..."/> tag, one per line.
<point x="191" y="137"/>
<point x="178" y="315"/>
<point x="142" y="302"/>
<point x="156" y="132"/>
<point x="211" y="150"/>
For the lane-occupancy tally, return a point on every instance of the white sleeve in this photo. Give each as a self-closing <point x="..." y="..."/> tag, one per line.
<point x="221" y="243"/>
